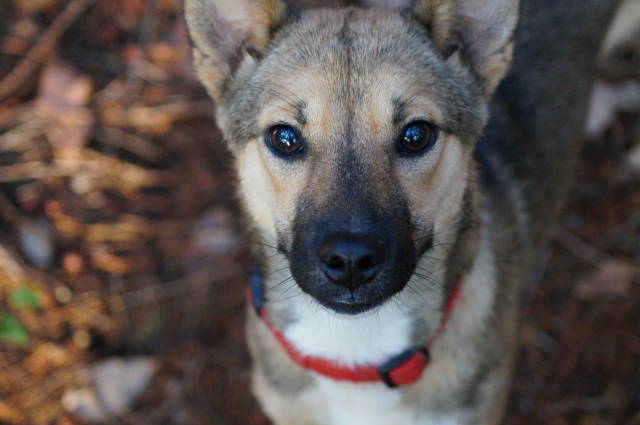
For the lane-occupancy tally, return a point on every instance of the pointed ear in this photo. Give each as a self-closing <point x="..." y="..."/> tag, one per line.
<point x="225" y="33"/>
<point x="478" y="32"/>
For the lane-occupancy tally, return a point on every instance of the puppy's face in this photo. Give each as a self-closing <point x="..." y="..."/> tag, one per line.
<point x="353" y="139"/>
<point x="352" y="129"/>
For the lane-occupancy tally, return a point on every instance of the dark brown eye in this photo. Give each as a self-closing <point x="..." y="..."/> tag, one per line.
<point x="417" y="137"/>
<point x="284" y="140"/>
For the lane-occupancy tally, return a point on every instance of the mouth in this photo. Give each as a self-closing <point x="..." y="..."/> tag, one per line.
<point x="351" y="305"/>
<point x="353" y="301"/>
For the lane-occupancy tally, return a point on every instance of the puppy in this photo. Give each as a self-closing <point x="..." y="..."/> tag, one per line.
<point x="395" y="228"/>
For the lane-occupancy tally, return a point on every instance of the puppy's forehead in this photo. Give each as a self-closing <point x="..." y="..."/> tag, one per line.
<point x="365" y="64"/>
<point x="348" y="47"/>
<point x="318" y="101"/>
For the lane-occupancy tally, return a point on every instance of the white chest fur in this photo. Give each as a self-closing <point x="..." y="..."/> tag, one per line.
<point x="371" y="404"/>
<point x="369" y="338"/>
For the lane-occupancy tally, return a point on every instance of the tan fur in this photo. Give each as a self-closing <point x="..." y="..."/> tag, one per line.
<point x="250" y="26"/>
<point x="439" y="15"/>
<point x="496" y="68"/>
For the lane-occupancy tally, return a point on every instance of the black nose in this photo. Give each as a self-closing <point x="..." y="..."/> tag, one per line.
<point x="351" y="260"/>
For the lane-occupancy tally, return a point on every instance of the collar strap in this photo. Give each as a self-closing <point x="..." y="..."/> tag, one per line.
<point x="402" y="369"/>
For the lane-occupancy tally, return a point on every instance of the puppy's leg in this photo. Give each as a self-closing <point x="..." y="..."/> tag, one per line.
<point x="280" y="409"/>
<point x="279" y="385"/>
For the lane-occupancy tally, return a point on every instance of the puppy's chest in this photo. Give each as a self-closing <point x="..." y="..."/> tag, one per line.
<point x="369" y="404"/>
<point x="369" y="339"/>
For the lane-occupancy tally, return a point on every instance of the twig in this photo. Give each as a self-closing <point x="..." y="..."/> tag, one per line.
<point x="11" y="267"/>
<point x="626" y="229"/>
<point x="145" y="36"/>
<point x="585" y="252"/>
<point x="131" y="142"/>
<point x="8" y="212"/>
<point x="193" y="283"/>
<point x="42" y="47"/>
<point x="93" y="164"/>
<point x="15" y="138"/>
<point x="15" y="114"/>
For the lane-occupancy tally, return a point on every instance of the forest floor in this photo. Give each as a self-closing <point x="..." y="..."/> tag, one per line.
<point x="123" y="261"/>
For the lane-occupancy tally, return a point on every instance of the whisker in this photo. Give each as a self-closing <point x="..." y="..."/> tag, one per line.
<point x="276" y="271"/>
<point x="268" y="290"/>
<point x="398" y="304"/>
<point x="431" y="280"/>
<point x="279" y="298"/>
<point x="279" y="249"/>
<point x="431" y="257"/>
<point x="415" y="291"/>
<point x="290" y="297"/>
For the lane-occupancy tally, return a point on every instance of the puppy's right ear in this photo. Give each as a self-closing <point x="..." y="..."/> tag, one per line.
<point x="225" y="33"/>
<point x="482" y="32"/>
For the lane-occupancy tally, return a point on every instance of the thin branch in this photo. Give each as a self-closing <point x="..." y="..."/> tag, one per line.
<point x="43" y="47"/>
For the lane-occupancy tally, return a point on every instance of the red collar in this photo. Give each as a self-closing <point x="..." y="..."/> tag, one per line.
<point x="402" y="369"/>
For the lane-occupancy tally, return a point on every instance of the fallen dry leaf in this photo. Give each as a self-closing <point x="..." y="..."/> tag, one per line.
<point x="116" y="384"/>
<point x="633" y="159"/>
<point x="62" y="98"/>
<point x="607" y="99"/>
<point x="36" y="240"/>
<point x="31" y="6"/>
<point x="612" y="278"/>
<point x="623" y="27"/>
<point x="213" y="233"/>
<point x="10" y="415"/>
<point x="45" y="357"/>
<point x="84" y="403"/>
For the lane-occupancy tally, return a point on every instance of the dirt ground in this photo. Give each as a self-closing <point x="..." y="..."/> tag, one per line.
<point x="122" y="251"/>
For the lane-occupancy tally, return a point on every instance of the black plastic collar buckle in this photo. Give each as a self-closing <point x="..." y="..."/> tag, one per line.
<point x="386" y="370"/>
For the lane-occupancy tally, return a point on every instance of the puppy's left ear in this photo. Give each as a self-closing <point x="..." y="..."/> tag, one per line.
<point x="478" y="32"/>
<point x="226" y="33"/>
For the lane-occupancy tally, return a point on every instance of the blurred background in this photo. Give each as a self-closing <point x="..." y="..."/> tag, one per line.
<point x="122" y="257"/>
